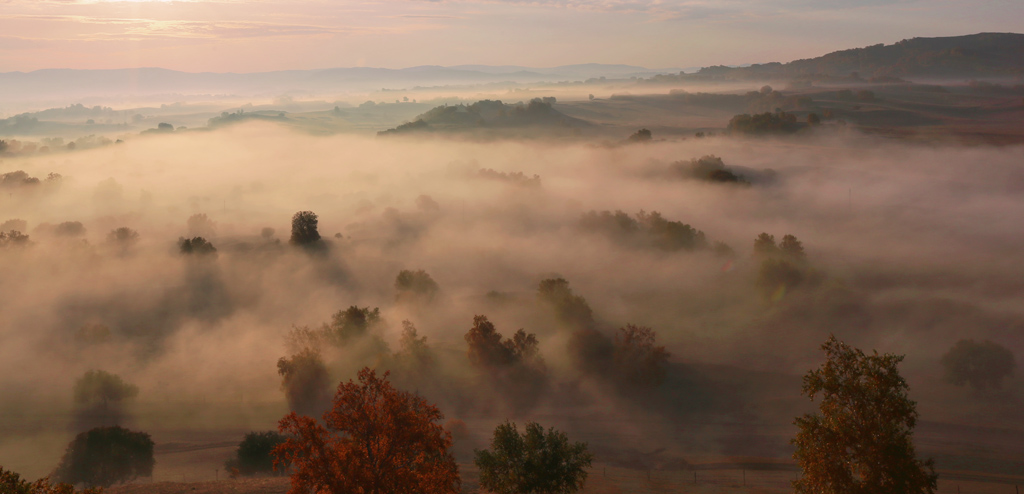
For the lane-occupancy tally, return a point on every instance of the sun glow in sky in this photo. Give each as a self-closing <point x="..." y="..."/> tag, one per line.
<point x="264" y="35"/>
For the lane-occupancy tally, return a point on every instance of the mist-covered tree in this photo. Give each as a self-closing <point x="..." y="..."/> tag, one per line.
<point x="13" y="238"/>
<point x="642" y="135"/>
<point x="534" y="461"/>
<point x="104" y="456"/>
<point x="98" y="389"/>
<point x="514" y="364"/>
<point x="722" y="249"/>
<point x="375" y="439"/>
<point x="709" y="168"/>
<point x="764" y="245"/>
<point x="304" y="228"/>
<point x="862" y="438"/>
<point x="197" y="246"/>
<point x="305" y="382"/>
<point x="792" y="248"/>
<point x="14" y="224"/>
<point x="414" y="358"/>
<point x="777" y="277"/>
<point x="981" y="365"/>
<point x="813" y="119"/>
<point x="69" y="229"/>
<point x="352" y="323"/>
<point x="200" y="225"/>
<point x="254" y="455"/>
<point x="645" y="230"/>
<point x="670" y="235"/>
<point x="122" y="238"/>
<point x="570" y="309"/>
<point x="779" y="122"/>
<point x="592" y="352"/>
<point x="639" y="361"/>
<point x="12" y="483"/>
<point x="415" y="286"/>
<point x="486" y="348"/>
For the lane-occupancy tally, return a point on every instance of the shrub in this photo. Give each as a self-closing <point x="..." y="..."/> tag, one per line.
<point x="105" y="456"/>
<point x="255" y="454"/>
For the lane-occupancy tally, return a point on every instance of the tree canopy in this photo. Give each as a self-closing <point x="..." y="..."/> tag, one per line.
<point x="101" y="388"/>
<point x="415" y="286"/>
<point x="105" y="456"/>
<point x="639" y="361"/>
<point x="764" y="123"/>
<point x="255" y="454"/>
<point x="532" y="462"/>
<point x="570" y="309"/>
<point x="304" y="228"/>
<point x="981" y="365"/>
<point x="861" y="439"/>
<point x="514" y="364"/>
<point x="305" y="382"/>
<point x="375" y="440"/>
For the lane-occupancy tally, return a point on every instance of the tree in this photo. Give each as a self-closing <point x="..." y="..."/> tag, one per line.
<point x="414" y="357"/>
<point x="486" y="349"/>
<point x="353" y="322"/>
<point x="764" y="245"/>
<point x="200" y="225"/>
<point x="642" y="135"/>
<point x="255" y="454"/>
<point x="813" y="119"/>
<point x="12" y="483"/>
<point x="105" y="456"/>
<point x="13" y="238"/>
<point x="639" y="362"/>
<point x="533" y="462"/>
<point x="763" y="123"/>
<point x="101" y="389"/>
<point x="305" y="382"/>
<point x="514" y="364"/>
<point x="122" y="238"/>
<point x="592" y="352"/>
<point x="415" y="285"/>
<point x="69" y="229"/>
<point x="571" y="310"/>
<point x="777" y="277"/>
<point x="861" y="441"/>
<point x="792" y="248"/>
<point x="375" y="440"/>
<point x="198" y="246"/>
<point x="981" y="365"/>
<point x="304" y="228"/>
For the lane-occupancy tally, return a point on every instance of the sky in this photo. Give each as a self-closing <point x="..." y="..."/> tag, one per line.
<point x="267" y="35"/>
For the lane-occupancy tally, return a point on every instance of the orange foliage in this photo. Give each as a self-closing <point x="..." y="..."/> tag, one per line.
<point x="377" y="439"/>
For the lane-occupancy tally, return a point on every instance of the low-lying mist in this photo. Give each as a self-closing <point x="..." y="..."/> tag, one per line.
<point x="908" y="250"/>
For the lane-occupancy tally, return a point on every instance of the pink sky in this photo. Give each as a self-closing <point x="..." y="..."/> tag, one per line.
<point x="263" y="35"/>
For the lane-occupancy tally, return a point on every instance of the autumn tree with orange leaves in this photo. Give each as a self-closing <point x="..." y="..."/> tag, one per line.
<point x="376" y="439"/>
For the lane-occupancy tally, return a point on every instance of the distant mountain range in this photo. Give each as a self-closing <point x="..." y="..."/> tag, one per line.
<point x="985" y="55"/>
<point x="64" y="83"/>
